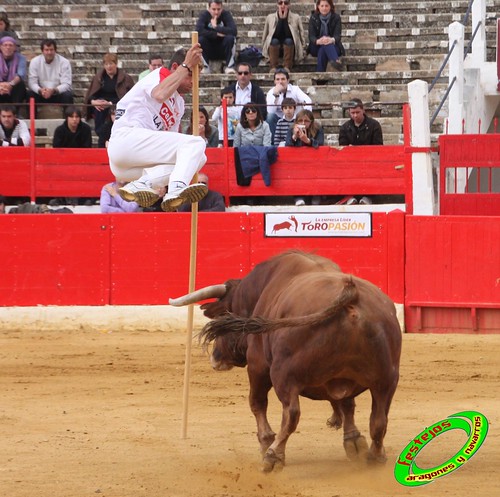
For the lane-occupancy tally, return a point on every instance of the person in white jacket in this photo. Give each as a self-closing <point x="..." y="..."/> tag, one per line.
<point x="283" y="89"/>
<point x="50" y="76"/>
<point x="13" y="132"/>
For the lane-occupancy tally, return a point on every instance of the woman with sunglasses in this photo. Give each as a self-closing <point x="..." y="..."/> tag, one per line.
<point x="252" y="129"/>
<point x="325" y="43"/>
<point x="305" y="132"/>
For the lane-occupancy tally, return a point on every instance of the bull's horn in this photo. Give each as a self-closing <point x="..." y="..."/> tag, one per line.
<point x="209" y="292"/>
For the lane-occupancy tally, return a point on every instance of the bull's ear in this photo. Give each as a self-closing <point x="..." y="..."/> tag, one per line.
<point x="213" y="309"/>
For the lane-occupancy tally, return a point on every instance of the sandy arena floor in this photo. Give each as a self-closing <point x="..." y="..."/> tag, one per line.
<point x="85" y="413"/>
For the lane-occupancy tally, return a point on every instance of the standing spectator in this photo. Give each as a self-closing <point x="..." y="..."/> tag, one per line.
<point x="105" y="133"/>
<point x="145" y="145"/>
<point x="5" y="29"/>
<point x="284" y="36"/>
<point x="50" y="77"/>
<point x="247" y="91"/>
<point x="112" y="202"/>
<point x="73" y="132"/>
<point x="13" y="132"/>
<point x="360" y="129"/>
<point x="109" y="85"/>
<point x="288" y="107"/>
<point x="233" y="116"/>
<point x="325" y="27"/>
<point x="283" y="89"/>
<point x="212" y="202"/>
<point x="205" y="130"/>
<point x="155" y="62"/>
<point x="252" y="129"/>
<point x="217" y="31"/>
<point x="12" y="72"/>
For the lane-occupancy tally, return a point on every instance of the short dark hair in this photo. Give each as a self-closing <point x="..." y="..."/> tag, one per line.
<point x="48" y="42"/>
<point x="218" y="2"/>
<point x="355" y="102"/>
<point x="239" y="64"/>
<point x="154" y="57"/>
<point x="289" y="101"/>
<point x="227" y="90"/>
<point x="72" y="109"/>
<point x="8" y="108"/>
<point x="177" y="57"/>
<point x="282" y="70"/>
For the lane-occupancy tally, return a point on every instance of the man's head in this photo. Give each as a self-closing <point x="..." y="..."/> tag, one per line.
<point x="215" y="8"/>
<point x="49" y="49"/>
<point x="8" y="47"/>
<point x="7" y="116"/>
<point x="288" y="106"/>
<point x="175" y="61"/>
<point x="203" y="178"/>
<point x="243" y="74"/>
<point x="281" y="77"/>
<point x="228" y="95"/>
<point x="155" y="62"/>
<point x="356" y="111"/>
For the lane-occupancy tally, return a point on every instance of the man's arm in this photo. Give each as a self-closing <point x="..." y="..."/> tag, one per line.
<point x="66" y="81"/>
<point x="378" y="138"/>
<point x="33" y="75"/>
<point x="229" y="26"/>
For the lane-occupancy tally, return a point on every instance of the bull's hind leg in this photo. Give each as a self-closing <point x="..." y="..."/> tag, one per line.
<point x="355" y="444"/>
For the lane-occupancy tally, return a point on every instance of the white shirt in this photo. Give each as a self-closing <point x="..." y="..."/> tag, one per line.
<point x="138" y="109"/>
<point x="243" y="95"/>
<point x="20" y="132"/>
<point x="57" y="74"/>
<point x="292" y="91"/>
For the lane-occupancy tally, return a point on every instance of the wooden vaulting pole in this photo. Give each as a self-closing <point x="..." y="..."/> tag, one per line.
<point x="193" y="248"/>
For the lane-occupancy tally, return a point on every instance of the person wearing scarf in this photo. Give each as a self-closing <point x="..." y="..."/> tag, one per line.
<point x="12" y="72"/>
<point x="325" y="43"/>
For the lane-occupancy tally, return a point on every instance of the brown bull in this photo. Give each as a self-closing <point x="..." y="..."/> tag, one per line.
<point x="305" y="328"/>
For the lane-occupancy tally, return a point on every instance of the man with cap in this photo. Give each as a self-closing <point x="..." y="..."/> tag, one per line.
<point x="12" y="72"/>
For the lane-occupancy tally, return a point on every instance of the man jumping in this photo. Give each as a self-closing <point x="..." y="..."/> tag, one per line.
<point x="146" y="147"/>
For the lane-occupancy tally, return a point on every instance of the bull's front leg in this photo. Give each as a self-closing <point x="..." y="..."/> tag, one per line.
<point x="260" y="384"/>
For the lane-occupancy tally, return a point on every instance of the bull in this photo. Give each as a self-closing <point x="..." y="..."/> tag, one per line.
<point x="304" y="328"/>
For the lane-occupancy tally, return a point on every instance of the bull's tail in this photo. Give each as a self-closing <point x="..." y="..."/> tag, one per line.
<point x="230" y="323"/>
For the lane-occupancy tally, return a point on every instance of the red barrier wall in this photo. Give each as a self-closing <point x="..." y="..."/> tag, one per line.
<point x="452" y="274"/>
<point x="98" y="259"/>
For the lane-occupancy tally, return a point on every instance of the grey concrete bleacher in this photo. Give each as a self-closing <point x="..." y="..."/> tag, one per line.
<point x="388" y="45"/>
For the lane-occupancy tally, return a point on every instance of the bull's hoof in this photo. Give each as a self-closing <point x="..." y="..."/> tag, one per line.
<point x="265" y="443"/>
<point x="272" y="462"/>
<point x="376" y="459"/>
<point x="356" y="448"/>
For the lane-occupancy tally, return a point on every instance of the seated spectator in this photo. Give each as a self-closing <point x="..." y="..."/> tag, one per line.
<point x="73" y="132"/>
<point x="5" y="29"/>
<point x="283" y="89"/>
<point x="325" y="27"/>
<point x="12" y="72"/>
<point x="209" y="133"/>
<point x="105" y="134"/>
<point x="54" y="207"/>
<point x="246" y="90"/>
<point x="252" y="129"/>
<point x="288" y="107"/>
<point x="217" y="31"/>
<point x="283" y="36"/>
<point x="233" y="116"/>
<point x="155" y="62"/>
<point x="50" y="77"/>
<point x="109" y="85"/>
<point x="359" y="130"/>
<point x="212" y="202"/>
<point x="112" y="202"/>
<point x="13" y="132"/>
<point x="305" y="132"/>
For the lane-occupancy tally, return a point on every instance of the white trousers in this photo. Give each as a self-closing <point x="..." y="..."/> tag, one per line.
<point x="158" y="157"/>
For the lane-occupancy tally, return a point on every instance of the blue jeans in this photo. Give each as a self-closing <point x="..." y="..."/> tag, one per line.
<point x="325" y="54"/>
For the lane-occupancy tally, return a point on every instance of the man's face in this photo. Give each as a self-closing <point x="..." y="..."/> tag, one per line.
<point x="215" y="9"/>
<point x="73" y="122"/>
<point x="7" y="48"/>
<point x="155" y="64"/>
<point x="280" y="79"/>
<point x="49" y="52"/>
<point x="244" y="75"/>
<point x="357" y="115"/>
<point x="7" y="119"/>
<point x="288" y="111"/>
<point x="186" y="84"/>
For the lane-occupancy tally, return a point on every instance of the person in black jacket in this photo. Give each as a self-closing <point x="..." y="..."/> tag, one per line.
<point x="73" y="132"/>
<point x="325" y="32"/>
<point x="217" y="31"/>
<point x="360" y="129"/>
<point x="246" y="91"/>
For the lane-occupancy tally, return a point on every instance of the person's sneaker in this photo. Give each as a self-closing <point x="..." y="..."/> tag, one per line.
<point x="137" y="191"/>
<point x="365" y="201"/>
<point x="192" y="193"/>
<point x="349" y="200"/>
<point x="300" y="201"/>
<point x="206" y="70"/>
